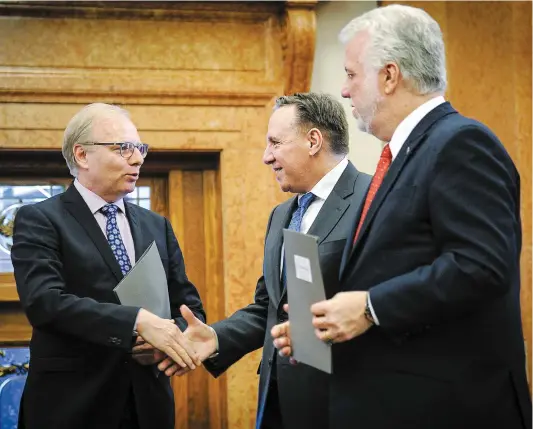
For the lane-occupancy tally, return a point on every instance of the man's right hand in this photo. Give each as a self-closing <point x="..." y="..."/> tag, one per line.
<point x="282" y="336"/>
<point x="203" y="340"/>
<point x="164" y="335"/>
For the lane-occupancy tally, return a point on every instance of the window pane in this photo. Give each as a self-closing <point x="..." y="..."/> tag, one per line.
<point x="145" y="204"/>
<point x="12" y="197"/>
<point x="141" y="197"/>
<point x="144" y="192"/>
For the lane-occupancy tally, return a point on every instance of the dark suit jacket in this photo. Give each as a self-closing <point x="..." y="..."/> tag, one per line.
<point x="303" y="390"/>
<point x="439" y="254"/>
<point x="80" y="370"/>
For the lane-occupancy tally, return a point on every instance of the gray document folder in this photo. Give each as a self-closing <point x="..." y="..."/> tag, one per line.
<point x="146" y="284"/>
<point x="304" y="288"/>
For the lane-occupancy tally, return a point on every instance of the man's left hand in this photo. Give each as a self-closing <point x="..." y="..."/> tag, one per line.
<point x="145" y="354"/>
<point x="341" y="318"/>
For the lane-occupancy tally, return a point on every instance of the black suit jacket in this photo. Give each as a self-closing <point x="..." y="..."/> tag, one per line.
<point x="303" y="390"/>
<point x="439" y="253"/>
<point x="80" y="369"/>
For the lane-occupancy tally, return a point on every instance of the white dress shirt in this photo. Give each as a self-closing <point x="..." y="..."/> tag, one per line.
<point x="95" y="203"/>
<point x="400" y="136"/>
<point x="407" y="126"/>
<point x="321" y="190"/>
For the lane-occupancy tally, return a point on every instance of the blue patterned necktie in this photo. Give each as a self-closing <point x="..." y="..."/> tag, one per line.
<point x="114" y="239"/>
<point x="296" y="222"/>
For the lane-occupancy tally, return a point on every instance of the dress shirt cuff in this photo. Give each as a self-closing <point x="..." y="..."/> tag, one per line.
<point x="376" y="321"/>
<point x="216" y="342"/>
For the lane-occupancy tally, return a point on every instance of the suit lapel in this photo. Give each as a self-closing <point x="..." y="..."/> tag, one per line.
<point x="77" y="207"/>
<point x="334" y="207"/>
<point x="360" y="190"/>
<point x="417" y="137"/>
<point x="278" y="223"/>
<point x="136" y="231"/>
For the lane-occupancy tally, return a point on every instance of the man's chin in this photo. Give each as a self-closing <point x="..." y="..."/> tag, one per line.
<point x="285" y="187"/>
<point x="128" y="188"/>
<point x="363" y="126"/>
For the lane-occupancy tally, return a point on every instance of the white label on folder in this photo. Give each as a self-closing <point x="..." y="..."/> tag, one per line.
<point x="303" y="268"/>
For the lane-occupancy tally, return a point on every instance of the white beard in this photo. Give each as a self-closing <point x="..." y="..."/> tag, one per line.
<point x="364" y="120"/>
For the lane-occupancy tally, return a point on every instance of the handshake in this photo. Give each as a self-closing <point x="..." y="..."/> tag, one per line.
<point x="161" y="342"/>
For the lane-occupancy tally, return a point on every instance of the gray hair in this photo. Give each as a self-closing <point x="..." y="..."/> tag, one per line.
<point x="321" y="111"/>
<point x="79" y="129"/>
<point x="407" y="36"/>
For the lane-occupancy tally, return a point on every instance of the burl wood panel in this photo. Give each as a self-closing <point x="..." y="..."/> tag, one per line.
<point x="488" y="48"/>
<point x="195" y="77"/>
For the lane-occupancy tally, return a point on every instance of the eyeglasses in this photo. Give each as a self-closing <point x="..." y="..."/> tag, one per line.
<point x="126" y="148"/>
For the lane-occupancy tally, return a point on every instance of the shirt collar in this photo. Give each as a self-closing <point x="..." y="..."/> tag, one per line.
<point x="325" y="186"/>
<point x="94" y="201"/>
<point x="410" y="122"/>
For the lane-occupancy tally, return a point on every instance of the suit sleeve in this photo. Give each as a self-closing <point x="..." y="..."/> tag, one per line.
<point x="180" y="289"/>
<point x="244" y="331"/>
<point x="36" y="257"/>
<point x="475" y="219"/>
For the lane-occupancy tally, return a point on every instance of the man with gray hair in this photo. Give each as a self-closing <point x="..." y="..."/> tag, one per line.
<point x="306" y="147"/>
<point x="426" y="332"/>
<point x="69" y="252"/>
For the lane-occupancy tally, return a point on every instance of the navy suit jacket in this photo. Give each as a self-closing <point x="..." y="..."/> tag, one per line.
<point x="303" y="390"/>
<point x="439" y="253"/>
<point x="81" y="371"/>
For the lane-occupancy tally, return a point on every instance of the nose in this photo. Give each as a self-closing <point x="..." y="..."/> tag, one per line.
<point x="136" y="158"/>
<point x="344" y="91"/>
<point x="268" y="157"/>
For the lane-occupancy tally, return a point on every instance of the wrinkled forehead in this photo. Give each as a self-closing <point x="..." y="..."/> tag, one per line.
<point x="114" y="127"/>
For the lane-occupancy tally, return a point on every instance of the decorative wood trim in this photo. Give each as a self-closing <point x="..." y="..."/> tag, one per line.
<point x="14" y="326"/>
<point x="8" y="288"/>
<point x="214" y="272"/>
<point x="299" y="31"/>
<point x="153" y="10"/>
<point x="22" y="164"/>
<point x="176" y="214"/>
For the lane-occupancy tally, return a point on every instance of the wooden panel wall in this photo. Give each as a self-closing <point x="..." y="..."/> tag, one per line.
<point x="195" y="77"/>
<point x="195" y="212"/>
<point x="488" y="48"/>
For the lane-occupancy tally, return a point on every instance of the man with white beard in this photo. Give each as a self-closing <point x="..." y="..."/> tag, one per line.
<point x="426" y="331"/>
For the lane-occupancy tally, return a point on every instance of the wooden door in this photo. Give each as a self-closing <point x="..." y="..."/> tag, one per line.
<point x="194" y="211"/>
<point x="190" y="199"/>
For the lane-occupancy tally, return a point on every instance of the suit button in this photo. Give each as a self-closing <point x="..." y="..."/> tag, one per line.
<point x="270" y="362"/>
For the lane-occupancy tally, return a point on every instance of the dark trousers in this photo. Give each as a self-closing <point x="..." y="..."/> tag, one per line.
<point x="129" y="416"/>
<point x="272" y="415"/>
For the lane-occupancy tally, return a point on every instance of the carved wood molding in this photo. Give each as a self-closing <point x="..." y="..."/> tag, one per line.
<point x="299" y="30"/>
<point x="215" y="53"/>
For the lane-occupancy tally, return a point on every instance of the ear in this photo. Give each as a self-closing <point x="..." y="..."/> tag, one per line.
<point x="80" y="155"/>
<point x="391" y="77"/>
<point x="316" y="140"/>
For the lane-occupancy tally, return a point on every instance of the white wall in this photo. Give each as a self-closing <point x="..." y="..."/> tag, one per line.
<point x="328" y="73"/>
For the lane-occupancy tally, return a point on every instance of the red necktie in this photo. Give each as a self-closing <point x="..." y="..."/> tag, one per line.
<point x="383" y="165"/>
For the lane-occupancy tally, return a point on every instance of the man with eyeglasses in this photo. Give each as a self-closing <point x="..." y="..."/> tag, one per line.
<point x="69" y="252"/>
